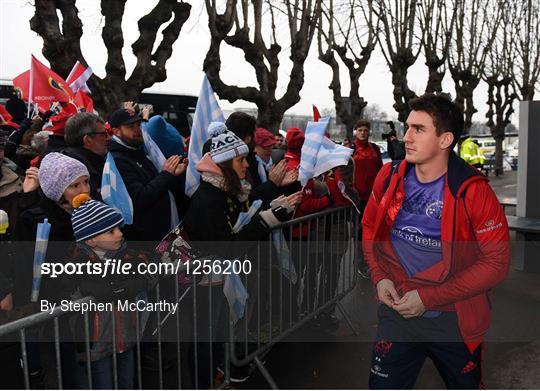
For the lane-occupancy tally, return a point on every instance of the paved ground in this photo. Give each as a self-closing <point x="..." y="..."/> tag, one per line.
<point x="512" y="359"/>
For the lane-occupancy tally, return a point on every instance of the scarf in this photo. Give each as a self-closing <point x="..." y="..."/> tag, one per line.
<point x="219" y="182"/>
<point x="263" y="168"/>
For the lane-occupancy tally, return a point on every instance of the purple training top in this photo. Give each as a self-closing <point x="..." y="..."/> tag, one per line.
<point x="416" y="233"/>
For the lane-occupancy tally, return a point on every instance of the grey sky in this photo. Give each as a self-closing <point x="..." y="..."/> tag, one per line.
<point x="184" y="69"/>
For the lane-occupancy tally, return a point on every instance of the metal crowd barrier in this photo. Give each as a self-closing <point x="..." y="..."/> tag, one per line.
<point x="190" y="348"/>
<point x="327" y="244"/>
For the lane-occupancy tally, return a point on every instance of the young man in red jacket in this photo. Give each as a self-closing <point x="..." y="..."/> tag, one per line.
<point x="436" y="240"/>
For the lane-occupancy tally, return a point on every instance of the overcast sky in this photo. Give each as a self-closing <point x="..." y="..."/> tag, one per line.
<point x="184" y="68"/>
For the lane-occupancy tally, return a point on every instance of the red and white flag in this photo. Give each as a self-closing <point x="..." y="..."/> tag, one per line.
<point x="78" y="77"/>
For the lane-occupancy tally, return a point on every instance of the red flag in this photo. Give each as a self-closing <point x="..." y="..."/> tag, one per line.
<point x="6" y="117"/>
<point x="41" y="86"/>
<point x="83" y="101"/>
<point x="78" y="77"/>
<point x="316" y="114"/>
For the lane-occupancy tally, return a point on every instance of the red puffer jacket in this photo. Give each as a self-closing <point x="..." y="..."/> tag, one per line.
<point x="475" y="244"/>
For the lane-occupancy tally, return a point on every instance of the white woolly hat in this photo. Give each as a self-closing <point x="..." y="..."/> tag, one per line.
<point x="225" y="145"/>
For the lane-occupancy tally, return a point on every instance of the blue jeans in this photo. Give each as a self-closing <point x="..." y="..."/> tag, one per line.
<point x="102" y="371"/>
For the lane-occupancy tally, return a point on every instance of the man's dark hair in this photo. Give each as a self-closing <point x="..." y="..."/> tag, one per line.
<point x="241" y="124"/>
<point x="446" y="115"/>
<point x="363" y="123"/>
<point x="80" y="125"/>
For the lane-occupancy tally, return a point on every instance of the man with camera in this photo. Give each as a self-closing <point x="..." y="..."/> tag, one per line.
<point x="395" y="148"/>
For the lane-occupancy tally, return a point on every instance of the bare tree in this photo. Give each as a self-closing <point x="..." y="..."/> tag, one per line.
<point x="400" y="46"/>
<point x="62" y="45"/>
<point x="243" y="25"/>
<point x="436" y="19"/>
<point x="498" y="74"/>
<point x="353" y="42"/>
<point x="476" y="26"/>
<point x="525" y="17"/>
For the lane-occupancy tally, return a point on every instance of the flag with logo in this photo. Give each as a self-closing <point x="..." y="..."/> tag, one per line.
<point x="41" y="86"/>
<point x="114" y="191"/>
<point x="83" y="102"/>
<point x="207" y="111"/>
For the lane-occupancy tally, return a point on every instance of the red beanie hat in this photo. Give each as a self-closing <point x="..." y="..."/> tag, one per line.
<point x="294" y="139"/>
<point x="264" y="138"/>
<point x="57" y="122"/>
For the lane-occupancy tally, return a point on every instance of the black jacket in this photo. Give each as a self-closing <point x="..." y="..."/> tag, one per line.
<point x="148" y="190"/>
<point x="55" y="144"/>
<point x="93" y="162"/>
<point x="396" y="149"/>
<point x="211" y="216"/>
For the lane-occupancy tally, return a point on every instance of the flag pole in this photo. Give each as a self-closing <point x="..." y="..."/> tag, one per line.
<point x="31" y="86"/>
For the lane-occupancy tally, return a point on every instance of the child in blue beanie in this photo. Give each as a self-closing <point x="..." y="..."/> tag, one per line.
<point x="96" y="227"/>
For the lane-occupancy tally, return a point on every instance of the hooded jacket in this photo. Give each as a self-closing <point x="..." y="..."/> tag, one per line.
<point x="368" y="162"/>
<point x="474" y="237"/>
<point x="148" y="190"/>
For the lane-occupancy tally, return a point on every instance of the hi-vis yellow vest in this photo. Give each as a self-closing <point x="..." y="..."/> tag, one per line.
<point x="470" y="152"/>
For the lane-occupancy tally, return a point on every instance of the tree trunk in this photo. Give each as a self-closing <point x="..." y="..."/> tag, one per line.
<point x="402" y="93"/>
<point x="62" y="46"/>
<point x="435" y="78"/>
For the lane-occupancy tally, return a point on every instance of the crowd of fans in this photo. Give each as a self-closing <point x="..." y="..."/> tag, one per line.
<point x="52" y="166"/>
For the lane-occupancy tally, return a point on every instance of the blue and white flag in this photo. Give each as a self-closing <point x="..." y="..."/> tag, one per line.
<point x="157" y="158"/>
<point x="42" y="240"/>
<point x="236" y="295"/>
<point x="233" y="288"/>
<point x="245" y="217"/>
<point x="114" y="191"/>
<point x="207" y="111"/>
<point x="310" y="150"/>
<point x="286" y="267"/>
<point x="320" y="154"/>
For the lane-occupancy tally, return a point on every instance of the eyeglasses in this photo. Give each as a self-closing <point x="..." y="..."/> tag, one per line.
<point x="97" y="133"/>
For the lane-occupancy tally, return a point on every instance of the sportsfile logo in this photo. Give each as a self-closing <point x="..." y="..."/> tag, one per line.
<point x="489" y="226"/>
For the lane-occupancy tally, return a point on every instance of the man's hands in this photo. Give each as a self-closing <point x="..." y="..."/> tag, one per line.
<point x="290" y="177"/>
<point x="175" y="165"/>
<point x="278" y="172"/>
<point x="408" y="306"/>
<point x="386" y="291"/>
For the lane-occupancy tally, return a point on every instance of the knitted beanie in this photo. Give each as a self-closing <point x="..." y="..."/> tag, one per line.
<point x="225" y="145"/>
<point x="57" y="172"/>
<point x="295" y="139"/>
<point x="91" y="218"/>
